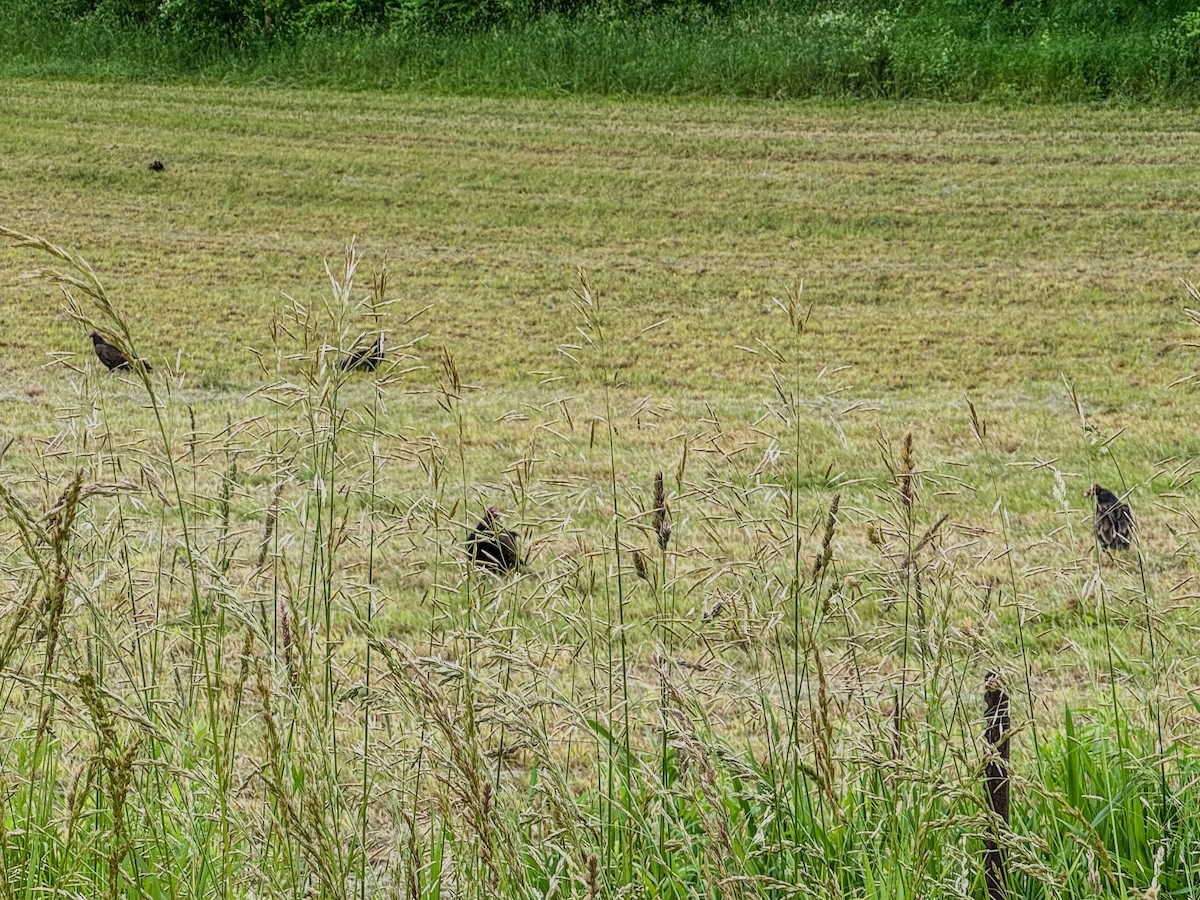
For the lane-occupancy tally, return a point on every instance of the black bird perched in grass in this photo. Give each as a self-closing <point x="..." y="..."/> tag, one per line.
<point x="114" y="358"/>
<point x="1114" y="519"/>
<point x="491" y="546"/>
<point x="157" y="166"/>
<point x="366" y="358"/>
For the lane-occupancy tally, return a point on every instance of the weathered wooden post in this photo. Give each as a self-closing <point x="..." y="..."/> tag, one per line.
<point x="995" y="771"/>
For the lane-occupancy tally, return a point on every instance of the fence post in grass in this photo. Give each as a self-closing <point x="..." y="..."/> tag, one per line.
<point x="995" y="771"/>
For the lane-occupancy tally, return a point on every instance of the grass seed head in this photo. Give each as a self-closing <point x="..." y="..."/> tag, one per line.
<point x="662" y="524"/>
<point x="639" y="565"/>
<point x="825" y="555"/>
<point x="908" y="468"/>
<point x="288" y="639"/>
<point x="593" y="876"/>
<point x="451" y="381"/>
<point x="978" y="425"/>
<point x="98" y="710"/>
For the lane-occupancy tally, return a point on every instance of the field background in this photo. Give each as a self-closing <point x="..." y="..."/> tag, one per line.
<point x="1030" y="261"/>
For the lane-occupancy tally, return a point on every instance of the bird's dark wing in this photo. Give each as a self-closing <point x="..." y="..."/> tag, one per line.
<point x="509" y="557"/>
<point x="493" y="549"/>
<point x="376" y="357"/>
<point x="112" y="357"/>
<point x="1123" y="525"/>
<point x="1114" y="525"/>
<point x="353" y="361"/>
<point x="368" y="357"/>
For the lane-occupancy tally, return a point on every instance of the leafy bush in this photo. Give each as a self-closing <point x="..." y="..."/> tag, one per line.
<point x="205" y="21"/>
<point x="1059" y="50"/>
<point x="321" y="15"/>
<point x="1179" y="46"/>
<point x="857" y="44"/>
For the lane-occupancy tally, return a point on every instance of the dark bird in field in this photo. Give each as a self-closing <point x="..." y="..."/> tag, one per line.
<point x="365" y="358"/>
<point x="157" y="166"/>
<point x="491" y="546"/>
<point x="1114" y="519"/>
<point x="114" y="358"/>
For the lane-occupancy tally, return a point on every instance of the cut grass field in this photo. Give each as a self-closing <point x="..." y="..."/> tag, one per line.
<point x="262" y="607"/>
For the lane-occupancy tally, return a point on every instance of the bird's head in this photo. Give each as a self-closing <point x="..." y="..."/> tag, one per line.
<point x="1102" y="494"/>
<point x="96" y="337"/>
<point x="492" y="516"/>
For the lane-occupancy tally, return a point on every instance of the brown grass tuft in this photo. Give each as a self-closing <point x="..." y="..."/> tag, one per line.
<point x="662" y="514"/>
<point x="907" y="475"/>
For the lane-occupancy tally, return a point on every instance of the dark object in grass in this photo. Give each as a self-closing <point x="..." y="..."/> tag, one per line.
<point x="114" y="358"/>
<point x="365" y="358"/>
<point x="491" y="546"/>
<point x="1114" y="519"/>
<point x="995" y="771"/>
<point x="157" y="166"/>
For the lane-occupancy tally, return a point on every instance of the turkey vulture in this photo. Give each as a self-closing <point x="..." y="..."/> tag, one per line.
<point x="1114" y="519"/>
<point x="492" y="547"/>
<point x="157" y="166"/>
<point x="113" y="357"/>
<point x="367" y="358"/>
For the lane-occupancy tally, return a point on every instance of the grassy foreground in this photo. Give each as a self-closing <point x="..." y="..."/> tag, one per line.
<point x="241" y="653"/>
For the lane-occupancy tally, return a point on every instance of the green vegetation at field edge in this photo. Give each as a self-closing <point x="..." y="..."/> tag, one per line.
<point x="1026" y="50"/>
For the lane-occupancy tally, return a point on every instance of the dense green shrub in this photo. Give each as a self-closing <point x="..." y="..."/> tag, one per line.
<point x="209" y="20"/>
<point x="937" y="49"/>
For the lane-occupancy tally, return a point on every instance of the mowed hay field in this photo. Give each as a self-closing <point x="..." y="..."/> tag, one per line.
<point x="245" y="655"/>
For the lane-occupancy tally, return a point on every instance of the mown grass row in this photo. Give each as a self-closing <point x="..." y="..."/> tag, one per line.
<point x="198" y="697"/>
<point x="945" y="51"/>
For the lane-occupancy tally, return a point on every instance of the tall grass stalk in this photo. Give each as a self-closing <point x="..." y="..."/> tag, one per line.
<point x="592" y="329"/>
